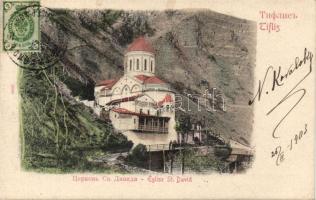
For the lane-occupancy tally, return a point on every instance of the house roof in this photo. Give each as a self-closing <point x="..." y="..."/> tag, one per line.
<point x="149" y="79"/>
<point x="166" y="99"/>
<point x="140" y="44"/>
<point x="124" y="111"/>
<point x="240" y="149"/>
<point x="125" y="99"/>
<point x="141" y="77"/>
<point x="108" y="84"/>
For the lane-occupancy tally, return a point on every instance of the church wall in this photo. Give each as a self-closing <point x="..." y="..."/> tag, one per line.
<point x="129" y="105"/>
<point x="131" y="58"/>
<point x="103" y="100"/>
<point x="146" y="103"/>
<point x="150" y="138"/>
<point x="145" y="108"/>
<point x="129" y="86"/>
<point x="123" y="122"/>
<point x="159" y="95"/>
<point x="126" y="86"/>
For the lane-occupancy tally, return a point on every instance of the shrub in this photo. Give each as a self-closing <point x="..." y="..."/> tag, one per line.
<point x="138" y="156"/>
<point x="222" y="152"/>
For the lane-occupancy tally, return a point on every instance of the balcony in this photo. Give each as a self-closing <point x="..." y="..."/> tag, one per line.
<point x="153" y="124"/>
<point x="157" y="129"/>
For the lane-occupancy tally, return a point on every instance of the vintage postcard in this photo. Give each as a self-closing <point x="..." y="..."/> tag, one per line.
<point x="171" y="99"/>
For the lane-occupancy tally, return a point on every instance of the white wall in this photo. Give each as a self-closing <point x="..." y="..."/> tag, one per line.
<point x="141" y="56"/>
<point x="123" y="122"/>
<point x="127" y="123"/>
<point x="150" y="138"/>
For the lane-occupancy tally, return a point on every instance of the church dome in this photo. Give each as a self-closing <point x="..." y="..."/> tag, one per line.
<point x="141" y="44"/>
<point x="139" y="58"/>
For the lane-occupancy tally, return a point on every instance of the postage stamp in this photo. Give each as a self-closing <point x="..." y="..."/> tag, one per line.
<point x="21" y="26"/>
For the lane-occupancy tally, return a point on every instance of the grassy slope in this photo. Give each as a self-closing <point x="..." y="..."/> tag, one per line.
<point x="58" y="134"/>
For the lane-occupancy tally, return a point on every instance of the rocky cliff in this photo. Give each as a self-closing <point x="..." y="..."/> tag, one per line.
<point x="195" y="51"/>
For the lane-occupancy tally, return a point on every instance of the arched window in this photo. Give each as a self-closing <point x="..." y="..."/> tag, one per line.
<point x="151" y="66"/>
<point x="148" y="112"/>
<point x="137" y="64"/>
<point x="130" y="64"/>
<point x="145" y="64"/>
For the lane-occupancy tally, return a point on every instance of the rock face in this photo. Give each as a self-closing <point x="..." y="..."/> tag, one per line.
<point x="195" y="51"/>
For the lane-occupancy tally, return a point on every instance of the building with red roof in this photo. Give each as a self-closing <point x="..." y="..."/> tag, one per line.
<point x="167" y="100"/>
<point x="139" y="104"/>
<point x="149" y="79"/>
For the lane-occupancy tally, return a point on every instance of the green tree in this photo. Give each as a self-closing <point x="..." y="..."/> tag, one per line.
<point x="139" y="156"/>
<point x="183" y="126"/>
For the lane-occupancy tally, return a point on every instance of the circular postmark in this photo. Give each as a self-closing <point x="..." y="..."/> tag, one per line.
<point x="49" y="55"/>
<point x="21" y="26"/>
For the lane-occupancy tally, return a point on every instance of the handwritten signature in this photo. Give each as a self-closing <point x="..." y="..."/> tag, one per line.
<point x="279" y="78"/>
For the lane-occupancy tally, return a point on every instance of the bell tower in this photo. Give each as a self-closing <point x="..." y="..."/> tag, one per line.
<point x="140" y="58"/>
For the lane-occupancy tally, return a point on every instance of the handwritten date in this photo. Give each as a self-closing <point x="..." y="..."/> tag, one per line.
<point x="279" y="154"/>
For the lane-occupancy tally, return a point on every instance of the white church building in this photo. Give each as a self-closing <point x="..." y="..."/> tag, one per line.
<point x="139" y="104"/>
